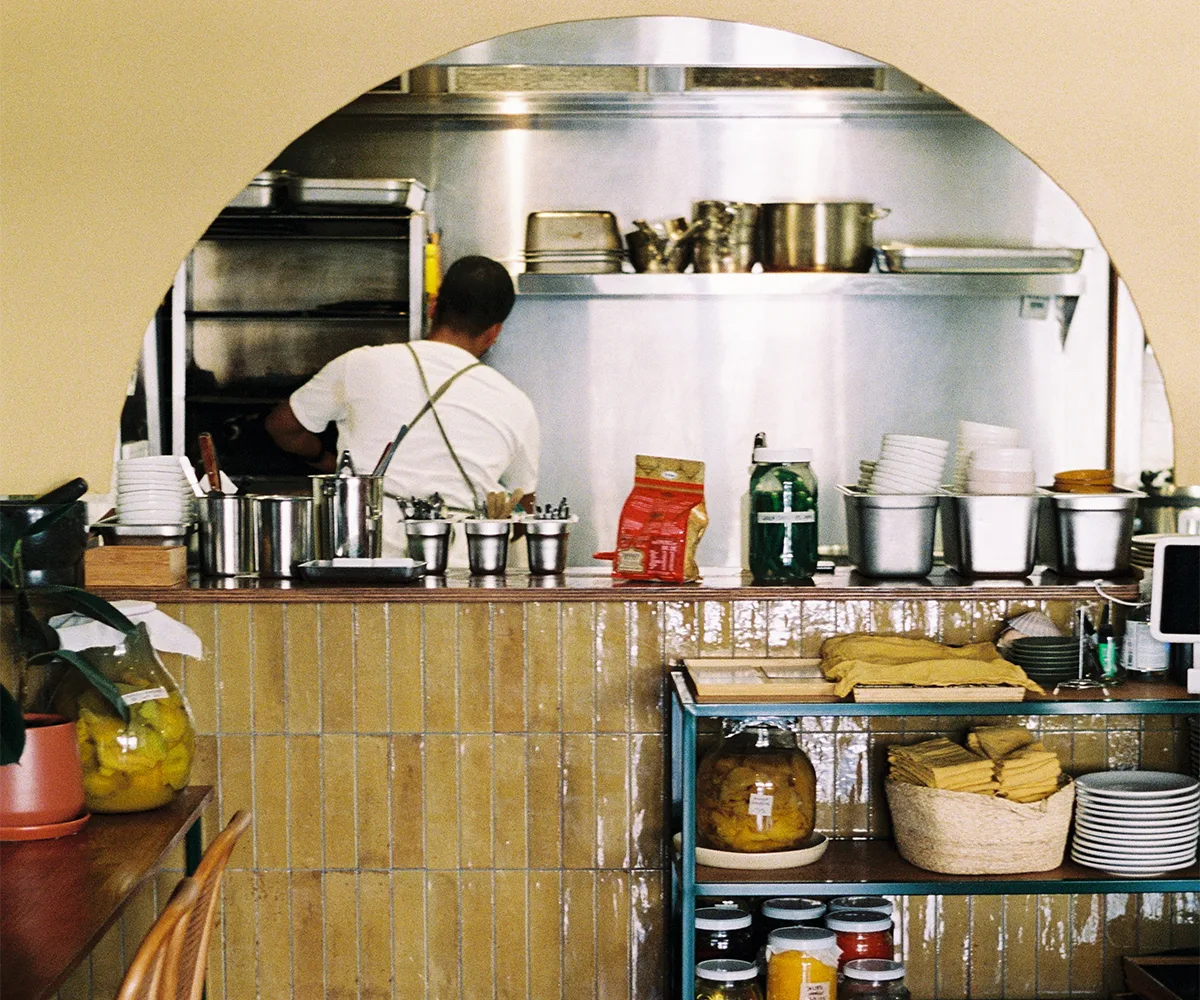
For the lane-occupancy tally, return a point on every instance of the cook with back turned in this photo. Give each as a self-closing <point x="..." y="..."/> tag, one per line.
<point x="471" y="431"/>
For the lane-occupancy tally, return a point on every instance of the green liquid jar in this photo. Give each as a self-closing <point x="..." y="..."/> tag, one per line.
<point x="783" y="516"/>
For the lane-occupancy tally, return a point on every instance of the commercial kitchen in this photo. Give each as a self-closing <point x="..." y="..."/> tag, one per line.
<point x="500" y="783"/>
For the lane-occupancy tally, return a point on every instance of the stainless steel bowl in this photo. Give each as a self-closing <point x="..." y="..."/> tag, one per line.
<point x="819" y="235"/>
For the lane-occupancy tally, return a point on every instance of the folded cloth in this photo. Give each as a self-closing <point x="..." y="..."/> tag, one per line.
<point x="1035" y="794"/>
<point x="938" y="763"/>
<point x="996" y="742"/>
<point x="849" y="660"/>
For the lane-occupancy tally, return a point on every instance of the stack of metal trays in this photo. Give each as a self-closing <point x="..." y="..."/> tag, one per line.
<point x="904" y="259"/>
<point x="574" y="242"/>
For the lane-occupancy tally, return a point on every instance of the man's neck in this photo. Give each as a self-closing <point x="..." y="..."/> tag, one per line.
<point x="444" y="335"/>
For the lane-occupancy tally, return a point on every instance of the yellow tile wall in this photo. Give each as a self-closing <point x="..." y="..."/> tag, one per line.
<point x="467" y="801"/>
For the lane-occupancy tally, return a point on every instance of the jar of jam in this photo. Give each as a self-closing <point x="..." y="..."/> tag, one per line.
<point x="787" y="911"/>
<point x="802" y="963"/>
<point x="723" y="932"/>
<point x="727" y="979"/>
<point x="873" y="979"/>
<point x="877" y="903"/>
<point x="862" y="934"/>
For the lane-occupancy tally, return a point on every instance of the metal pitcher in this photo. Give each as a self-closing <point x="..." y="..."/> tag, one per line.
<point x="347" y="516"/>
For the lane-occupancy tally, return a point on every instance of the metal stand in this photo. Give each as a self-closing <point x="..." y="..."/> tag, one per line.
<point x="1080" y="683"/>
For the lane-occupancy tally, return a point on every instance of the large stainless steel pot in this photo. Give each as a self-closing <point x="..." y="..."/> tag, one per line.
<point x="347" y="516"/>
<point x="819" y="235"/>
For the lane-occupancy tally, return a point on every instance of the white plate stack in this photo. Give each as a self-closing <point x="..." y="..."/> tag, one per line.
<point x="907" y="464"/>
<point x="972" y="435"/>
<point x="1000" y="471"/>
<point x="153" y="491"/>
<point x="1194" y="743"/>
<point x="1136" y="823"/>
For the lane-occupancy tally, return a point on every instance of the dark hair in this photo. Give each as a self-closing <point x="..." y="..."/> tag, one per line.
<point x="475" y="293"/>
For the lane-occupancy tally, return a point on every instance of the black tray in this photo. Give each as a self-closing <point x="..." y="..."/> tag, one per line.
<point x="367" y="571"/>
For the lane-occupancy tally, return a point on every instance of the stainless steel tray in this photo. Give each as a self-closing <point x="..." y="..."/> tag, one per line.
<point x="903" y="259"/>
<point x="594" y="230"/>
<point x="398" y="192"/>
<point x="367" y="571"/>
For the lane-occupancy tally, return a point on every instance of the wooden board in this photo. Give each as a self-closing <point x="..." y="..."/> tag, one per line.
<point x="964" y="692"/>
<point x="135" y="566"/>
<point x="754" y="679"/>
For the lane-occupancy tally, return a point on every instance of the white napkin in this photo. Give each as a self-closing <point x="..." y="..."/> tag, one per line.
<point x="78" y="631"/>
<point x="226" y="483"/>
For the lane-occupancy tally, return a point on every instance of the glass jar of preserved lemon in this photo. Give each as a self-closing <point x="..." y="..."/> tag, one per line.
<point x="802" y="964"/>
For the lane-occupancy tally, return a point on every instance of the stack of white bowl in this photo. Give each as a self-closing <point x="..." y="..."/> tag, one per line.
<point x="907" y="464"/>
<point x="1000" y="470"/>
<point x="153" y="491"/>
<point x="972" y="435"/>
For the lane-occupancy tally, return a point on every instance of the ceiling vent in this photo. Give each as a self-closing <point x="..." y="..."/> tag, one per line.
<point x="783" y="78"/>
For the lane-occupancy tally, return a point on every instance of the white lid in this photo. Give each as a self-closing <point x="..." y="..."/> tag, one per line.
<point x="873" y="970"/>
<point x="782" y="455"/>
<point x="792" y="908"/>
<point x="800" y="939"/>
<point x="721" y="918"/>
<point x="858" y="920"/>
<point x="877" y="903"/>
<point x="726" y="970"/>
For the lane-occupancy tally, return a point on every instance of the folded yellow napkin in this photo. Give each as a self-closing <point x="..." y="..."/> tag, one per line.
<point x="995" y="742"/>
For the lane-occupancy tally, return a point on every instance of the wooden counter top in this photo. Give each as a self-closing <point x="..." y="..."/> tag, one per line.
<point x="588" y="584"/>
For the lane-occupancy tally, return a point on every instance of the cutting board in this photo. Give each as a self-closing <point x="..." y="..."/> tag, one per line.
<point x="963" y="692"/>
<point x="757" y="679"/>
<point x="135" y="565"/>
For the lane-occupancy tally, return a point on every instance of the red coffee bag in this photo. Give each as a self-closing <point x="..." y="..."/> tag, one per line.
<point x="662" y="521"/>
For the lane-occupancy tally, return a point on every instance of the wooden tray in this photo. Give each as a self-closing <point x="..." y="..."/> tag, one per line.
<point x="963" y="692"/>
<point x="753" y="679"/>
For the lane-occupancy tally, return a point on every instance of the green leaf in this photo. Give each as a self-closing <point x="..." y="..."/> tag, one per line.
<point x="12" y="728"/>
<point x="34" y="634"/>
<point x="102" y="684"/>
<point x="89" y="604"/>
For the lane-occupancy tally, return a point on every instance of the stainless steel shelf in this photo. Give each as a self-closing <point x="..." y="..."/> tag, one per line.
<point x="805" y="284"/>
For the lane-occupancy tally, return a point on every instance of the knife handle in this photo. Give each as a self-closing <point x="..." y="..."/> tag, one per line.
<point x="208" y="455"/>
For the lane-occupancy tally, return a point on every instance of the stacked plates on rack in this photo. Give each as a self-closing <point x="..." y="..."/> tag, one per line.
<point x="1000" y="471"/>
<point x="1194" y="743"/>
<point x="1136" y="823"/>
<point x="907" y="464"/>
<point x="1141" y="551"/>
<point x="153" y="491"/>
<point x="1049" y="660"/>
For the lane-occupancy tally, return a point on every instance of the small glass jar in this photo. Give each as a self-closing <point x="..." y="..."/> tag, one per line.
<point x="757" y="790"/>
<point x="802" y="962"/>
<point x="877" y="904"/>
<point x="787" y="911"/>
<point x="783" y="516"/>
<point x="873" y="979"/>
<point x="723" y="932"/>
<point x="862" y="934"/>
<point x="727" y="979"/>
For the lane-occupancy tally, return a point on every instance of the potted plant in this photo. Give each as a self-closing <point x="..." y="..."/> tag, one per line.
<point x="41" y="785"/>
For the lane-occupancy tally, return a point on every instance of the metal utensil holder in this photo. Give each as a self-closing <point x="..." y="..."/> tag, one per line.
<point x="224" y="535"/>
<point x="347" y="516"/>
<point x="429" y="542"/>
<point x="546" y="542"/>
<point x="487" y="546"/>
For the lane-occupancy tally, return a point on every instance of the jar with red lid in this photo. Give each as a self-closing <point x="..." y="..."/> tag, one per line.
<point x="723" y="932"/>
<point x="862" y="934"/>
<point x="787" y="911"/>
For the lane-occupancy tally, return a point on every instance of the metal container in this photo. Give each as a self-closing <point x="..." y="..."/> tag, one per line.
<point x="588" y="230"/>
<point x="890" y="535"/>
<point x="990" y="535"/>
<point x="1160" y="513"/>
<point x="1087" y="534"/>
<point x="429" y="542"/>
<point x="546" y="541"/>
<point x="377" y="191"/>
<point x="261" y="192"/>
<point x="281" y="534"/>
<point x="487" y="546"/>
<point x="224" y="535"/>
<point x="819" y="235"/>
<point x="347" y="516"/>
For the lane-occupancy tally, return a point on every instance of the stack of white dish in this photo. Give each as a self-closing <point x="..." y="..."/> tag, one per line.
<point x="1194" y="743"/>
<point x="1136" y="823"/>
<point x="153" y="491"/>
<point x="972" y="435"/>
<point x="1141" y="551"/>
<point x="907" y="464"/>
<point x="1000" y="470"/>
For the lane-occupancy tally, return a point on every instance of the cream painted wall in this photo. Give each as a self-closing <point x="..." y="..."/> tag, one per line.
<point x="125" y="126"/>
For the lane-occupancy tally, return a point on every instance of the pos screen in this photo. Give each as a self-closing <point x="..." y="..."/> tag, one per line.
<point x="1175" y="599"/>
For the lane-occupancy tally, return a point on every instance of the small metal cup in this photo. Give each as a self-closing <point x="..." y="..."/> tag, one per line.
<point x="429" y="542"/>
<point x="487" y="546"/>
<point x="547" y="545"/>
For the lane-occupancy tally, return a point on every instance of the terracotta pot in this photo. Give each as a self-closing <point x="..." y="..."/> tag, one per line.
<point x="46" y="785"/>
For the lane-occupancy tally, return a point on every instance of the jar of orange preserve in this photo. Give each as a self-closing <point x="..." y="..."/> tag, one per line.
<point x="802" y="964"/>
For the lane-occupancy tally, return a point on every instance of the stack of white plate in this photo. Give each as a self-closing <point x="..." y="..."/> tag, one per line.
<point x="153" y="491"/>
<point x="1194" y="743"/>
<point x="1141" y="550"/>
<point x="1136" y="823"/>
<point x="907" y="464"/>
<point x="972" y="435"/>
<point x="999" y="470"/>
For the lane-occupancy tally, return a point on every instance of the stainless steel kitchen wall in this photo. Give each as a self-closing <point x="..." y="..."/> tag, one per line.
<point x="697" y="376"/>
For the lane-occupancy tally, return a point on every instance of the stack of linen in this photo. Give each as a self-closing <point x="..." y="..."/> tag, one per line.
<point x="1025" y="770"/>
<point x="938" y="763"/>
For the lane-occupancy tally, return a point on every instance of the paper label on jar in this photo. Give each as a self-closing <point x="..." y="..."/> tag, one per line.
<point x="814" y="991"/>
<point x="149" y="694"/>
<point x="761" y="805"/>
<point x="787" y="517"/>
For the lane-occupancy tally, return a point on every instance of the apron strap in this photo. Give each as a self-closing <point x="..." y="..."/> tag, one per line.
<point x="433" y="398"/>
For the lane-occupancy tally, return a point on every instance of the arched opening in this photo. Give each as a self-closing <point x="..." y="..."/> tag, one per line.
<point x="644" y="117"/>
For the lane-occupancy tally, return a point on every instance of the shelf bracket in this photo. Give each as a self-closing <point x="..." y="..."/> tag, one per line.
<point x="1064" y="312"/>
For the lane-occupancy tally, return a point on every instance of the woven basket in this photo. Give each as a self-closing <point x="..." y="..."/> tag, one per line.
<point x="963" y="833"/>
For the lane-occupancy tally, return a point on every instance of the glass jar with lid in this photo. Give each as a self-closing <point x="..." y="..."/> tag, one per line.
<point x="862" y="933"/>
<point x="873" y="979"/>
<point x="787" y="911"/>
<point x="757" y="790"/>
<point x="723" y="932"/>
<point x="802" y="962"/>
<point x="783" y="516"/>
<point x="727" y="979"/>
<point x="877" y="904"/>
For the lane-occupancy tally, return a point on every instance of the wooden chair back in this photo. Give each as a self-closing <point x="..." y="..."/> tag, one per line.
<point x="154" y="972"/>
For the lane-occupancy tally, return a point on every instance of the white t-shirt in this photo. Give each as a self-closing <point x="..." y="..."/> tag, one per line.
<point x="371" y="391"/>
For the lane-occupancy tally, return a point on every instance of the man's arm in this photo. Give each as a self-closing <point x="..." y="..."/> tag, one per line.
<point x="296" y="439"/>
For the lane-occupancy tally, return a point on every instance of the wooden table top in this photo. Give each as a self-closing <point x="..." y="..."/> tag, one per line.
<point x="58" y="897"/>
